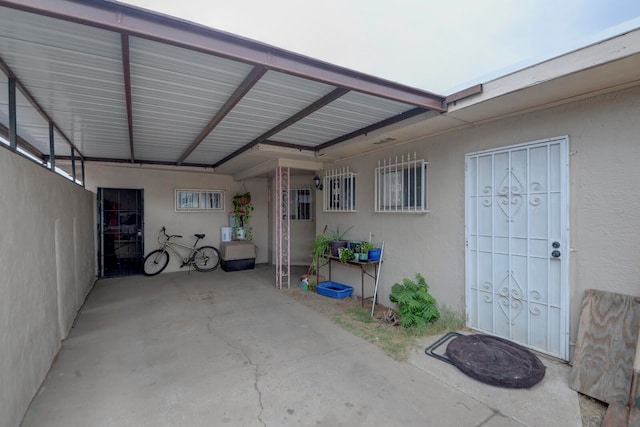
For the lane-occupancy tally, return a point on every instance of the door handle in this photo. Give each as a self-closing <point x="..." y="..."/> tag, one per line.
<point x="556" y="254"/>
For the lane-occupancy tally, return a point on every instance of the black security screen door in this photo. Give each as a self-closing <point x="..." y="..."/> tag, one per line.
<point x="120" y="232"/>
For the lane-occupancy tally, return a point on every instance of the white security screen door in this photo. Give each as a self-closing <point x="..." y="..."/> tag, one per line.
<point x="516" y="230"/>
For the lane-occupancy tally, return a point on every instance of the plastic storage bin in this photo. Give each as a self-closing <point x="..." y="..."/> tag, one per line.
<point x="334" y="290"/>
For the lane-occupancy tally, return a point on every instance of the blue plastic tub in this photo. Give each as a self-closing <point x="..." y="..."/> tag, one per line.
<point x="374" y="254"/>
<point x="334" y="290"/>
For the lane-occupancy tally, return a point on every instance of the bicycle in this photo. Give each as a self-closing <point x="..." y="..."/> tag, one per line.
<point x="204" y="258"/>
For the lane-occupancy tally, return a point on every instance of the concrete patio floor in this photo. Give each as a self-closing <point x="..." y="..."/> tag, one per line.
<point x="211" y="349"/>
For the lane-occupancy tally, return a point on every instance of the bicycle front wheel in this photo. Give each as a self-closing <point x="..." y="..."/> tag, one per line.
<point x="155" y="262"/>
<point x="206" y="258"/>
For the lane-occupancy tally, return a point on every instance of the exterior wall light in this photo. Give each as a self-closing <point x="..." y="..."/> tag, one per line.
<point x="316" y="182"/>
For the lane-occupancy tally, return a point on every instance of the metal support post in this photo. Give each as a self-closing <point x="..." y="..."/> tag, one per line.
<point x="13" y="121"/>
<point x="52" y="150"/>
<point x="82" y="166"/>
<point x="283" y="228"/>
<point x="73" y="164"/>
<point x="375" y="291"/>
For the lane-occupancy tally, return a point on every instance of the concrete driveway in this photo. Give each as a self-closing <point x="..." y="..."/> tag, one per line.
<point x="215" y="349"/>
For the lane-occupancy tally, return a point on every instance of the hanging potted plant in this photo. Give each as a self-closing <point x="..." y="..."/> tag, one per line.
<point x="242" y="212"/>
<point x="242" y="199"/>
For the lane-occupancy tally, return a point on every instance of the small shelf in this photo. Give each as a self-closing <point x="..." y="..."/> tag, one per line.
<point x="363" y="265"/>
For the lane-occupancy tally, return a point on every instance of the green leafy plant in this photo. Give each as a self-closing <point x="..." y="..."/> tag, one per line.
<point x="417" y="306"/>
<point x="364" y="247"/>
<point x="337" y="235"/>
<point x="242" y="212"/>
<point x="346" y="255"/>
<point x="313" y="284"/>
<point x="320" y="246"/>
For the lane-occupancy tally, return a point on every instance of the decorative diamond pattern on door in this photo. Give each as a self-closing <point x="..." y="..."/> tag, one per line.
<point x="517" y="244"/>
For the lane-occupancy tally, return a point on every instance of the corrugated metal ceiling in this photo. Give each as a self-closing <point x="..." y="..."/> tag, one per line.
<point x="118" y="87"/>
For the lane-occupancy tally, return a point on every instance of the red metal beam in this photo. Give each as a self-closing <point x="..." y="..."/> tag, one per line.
<point x="470" y="91"/>
<point x="137" y="162"/>
<point x="387" y="122"/>
<point x="134" y="21"/>
<point x="254" y="76"/>
<point x="327" y="99"/>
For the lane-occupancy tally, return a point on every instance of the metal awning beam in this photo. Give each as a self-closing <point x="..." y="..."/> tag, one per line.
<point x="13" y="123"/>
<point x="126" y="73"/>
<point x="133" y="21"/>
<point x="19" y="86"/>
<point x="23" y="144"/>
<point x="327" y="99"/>
<point x="254" y="76"/>
<point x="315" y="106"/>
<point x="46" y="158"/>
<point x="365" y="130"/>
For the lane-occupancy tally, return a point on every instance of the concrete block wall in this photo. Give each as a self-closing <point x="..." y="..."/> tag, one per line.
<point x="47" y="267"/>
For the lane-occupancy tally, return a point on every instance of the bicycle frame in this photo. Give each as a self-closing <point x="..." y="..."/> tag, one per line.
<point x="170" y="244"/>
<point x="204" y="258"/>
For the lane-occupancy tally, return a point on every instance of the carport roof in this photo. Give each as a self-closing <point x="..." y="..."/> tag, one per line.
<point x="122" y="84"/>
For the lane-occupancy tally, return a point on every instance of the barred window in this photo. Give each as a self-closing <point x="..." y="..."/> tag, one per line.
<point x="339" y="193"/>
<point x="199" y="200"/>
<point x="299" y="204"/>
<point x="401" y="185"/>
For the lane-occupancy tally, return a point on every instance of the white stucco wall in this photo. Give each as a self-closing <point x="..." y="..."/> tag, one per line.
<point x="47" y="269"/>
<point x="604" y="137"/>
<point x="159" y="185"/>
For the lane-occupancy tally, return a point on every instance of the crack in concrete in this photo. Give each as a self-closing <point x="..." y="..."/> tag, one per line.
<point x="255" y="386"/>
<point x="234" y="345"/>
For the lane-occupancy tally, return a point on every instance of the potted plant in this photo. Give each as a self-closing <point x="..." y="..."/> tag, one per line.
<point x="362" y="249"/>
<point x="242" y="199"/>
<point x="320" y="246"/>
<point x="374" y="253"/>
<point x="242" y="212"/>
<point x="337" y="241"/>
<point x="346" y="254"/>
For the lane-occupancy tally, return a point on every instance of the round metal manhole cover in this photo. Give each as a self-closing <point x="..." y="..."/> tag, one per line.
<point x="495" y="361"/>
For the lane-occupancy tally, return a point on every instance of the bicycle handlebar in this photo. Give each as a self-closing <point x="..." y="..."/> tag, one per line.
<point x="169" y="236"/>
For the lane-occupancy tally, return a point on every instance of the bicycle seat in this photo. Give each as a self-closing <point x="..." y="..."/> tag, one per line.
<point x="199" y="236"/>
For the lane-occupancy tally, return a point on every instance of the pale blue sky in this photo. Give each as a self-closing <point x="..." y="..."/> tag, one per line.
<point x="435" y="45"/>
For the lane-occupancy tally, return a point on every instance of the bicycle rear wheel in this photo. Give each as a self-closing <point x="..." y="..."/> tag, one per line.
<point x="155" y="262"/>
<point x="206" y="258"/>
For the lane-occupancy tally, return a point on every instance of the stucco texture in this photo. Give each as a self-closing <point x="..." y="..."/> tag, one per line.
<point x="47" y="269"/>
<point x="158" y="185"/>
<point x="604" y="201"/>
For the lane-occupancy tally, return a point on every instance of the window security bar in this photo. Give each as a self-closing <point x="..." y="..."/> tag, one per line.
<point x="198" y="200"/>
<point x="339" y="193"/>
<point x="401" y="185"/>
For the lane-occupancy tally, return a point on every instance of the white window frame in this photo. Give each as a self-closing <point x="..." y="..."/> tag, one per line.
<point x="339" y="191"/>
<point x="199" y="200"/>
<point x="401" y="185"/>
<point x="296" y="200"/>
